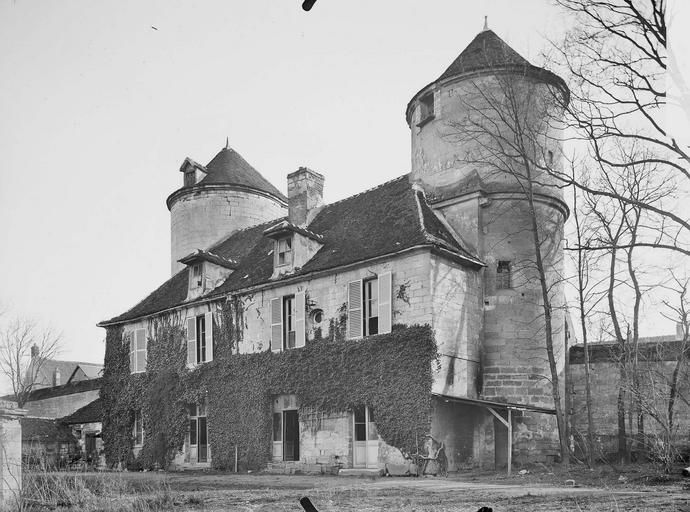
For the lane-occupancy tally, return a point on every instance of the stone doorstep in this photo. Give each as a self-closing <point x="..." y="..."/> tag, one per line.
<point x="291" y="468"/>
<point x="372" y="473"/>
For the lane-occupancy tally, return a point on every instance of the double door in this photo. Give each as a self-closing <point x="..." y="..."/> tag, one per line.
<point x="366" y="439"/>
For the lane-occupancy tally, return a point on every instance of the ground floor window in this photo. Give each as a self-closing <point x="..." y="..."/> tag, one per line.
<point x="198" y="431"/>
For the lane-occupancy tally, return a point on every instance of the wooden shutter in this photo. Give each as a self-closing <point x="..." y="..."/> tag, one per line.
<point x="129" y="336"/>
<point x="385" y="302"/>
<point x="300" y="334"/>
<point x="354" y="309"/>
<point x="277" y="324"/>
<point x="141" y="350"/>
<point x="208" y="321"/>
<point x="191" y="341"/>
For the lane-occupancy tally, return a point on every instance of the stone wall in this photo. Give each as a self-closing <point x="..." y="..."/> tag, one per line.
<point x="657" y="362"/>
<point x="204" y="216"/>
<point x="10" y="452"/>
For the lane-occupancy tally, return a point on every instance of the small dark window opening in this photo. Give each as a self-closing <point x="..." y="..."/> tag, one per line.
<point x="288" y="321"/>
<point x="371" y="307"/>
<point x="503" y="275"/>
<point x="317" y="316"/>
<point x="549" y="154"/>
<point x="277" y="426"/>
<point x="426" y="105"/>
<point x="197" y="277"/>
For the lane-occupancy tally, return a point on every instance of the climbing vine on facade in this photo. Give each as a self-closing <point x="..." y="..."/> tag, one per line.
<point x="392" y="373"/>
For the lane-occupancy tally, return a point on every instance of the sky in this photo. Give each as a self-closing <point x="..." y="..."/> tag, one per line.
<point x="102" y="101"/>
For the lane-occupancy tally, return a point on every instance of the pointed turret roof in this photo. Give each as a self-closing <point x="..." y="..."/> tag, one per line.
<point x="486" y="50"/>
<point x="228" y="167"/>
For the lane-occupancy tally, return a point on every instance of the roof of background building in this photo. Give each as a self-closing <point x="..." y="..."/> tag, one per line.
<point x="228" y="167"/>
<point x="381" y="221"/>
<point x="67" y="370"/>
<point x="70" y="388"/>
<point x="486" y="50"/>
<point x="90" y="413"/>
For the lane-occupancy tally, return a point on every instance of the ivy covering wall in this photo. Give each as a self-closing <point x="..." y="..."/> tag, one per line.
<point x="391" y="373"/>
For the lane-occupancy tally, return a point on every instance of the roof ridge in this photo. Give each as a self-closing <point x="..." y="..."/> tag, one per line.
<point x="225" y="238"/>
<point x="367" y="190"/>
<point x="71" y="362"/>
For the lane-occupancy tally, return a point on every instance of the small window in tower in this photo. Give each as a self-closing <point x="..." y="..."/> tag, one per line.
<point x="503" y="275"/>
<point x="284" y="252"/>
<point x="426" y="106"/>
<point x="189" y="179"/>
<point x="549" y="156"/>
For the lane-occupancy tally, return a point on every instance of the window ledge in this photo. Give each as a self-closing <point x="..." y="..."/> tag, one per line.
<point x="426" y="120"/>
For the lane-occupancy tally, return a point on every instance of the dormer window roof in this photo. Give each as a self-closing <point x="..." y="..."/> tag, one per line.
<point x="200" y="256"/>
<point x="285" y="229"/>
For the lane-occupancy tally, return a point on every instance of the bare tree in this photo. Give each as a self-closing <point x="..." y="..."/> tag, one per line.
<point x="614" y="60"/>
<point x="24" y="349"/>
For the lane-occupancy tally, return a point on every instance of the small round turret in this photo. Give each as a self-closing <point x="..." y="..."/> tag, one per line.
<point x="216" y="200"/>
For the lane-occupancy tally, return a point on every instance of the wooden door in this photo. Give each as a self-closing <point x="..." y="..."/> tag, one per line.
<point x="290" y="435"/>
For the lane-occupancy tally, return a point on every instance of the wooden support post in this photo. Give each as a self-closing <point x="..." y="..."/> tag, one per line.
<point x="509" y="425"/>
<point x="510" y="441"/>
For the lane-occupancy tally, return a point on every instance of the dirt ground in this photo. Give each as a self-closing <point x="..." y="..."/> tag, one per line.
<point x="601" y="490"/>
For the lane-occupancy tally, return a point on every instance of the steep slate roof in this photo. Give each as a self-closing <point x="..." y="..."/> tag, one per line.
<point x="380" y="221"/>
<point x="79" y="386"/>
<point x="90" y="413"/>
<point x="485" y="51"/>
<point x="228" y="167"/>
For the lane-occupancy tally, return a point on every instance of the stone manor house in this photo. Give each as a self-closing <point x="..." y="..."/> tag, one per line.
<point x="443" y="246"/>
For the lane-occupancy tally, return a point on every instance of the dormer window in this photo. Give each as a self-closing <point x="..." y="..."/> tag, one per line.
<point x="284" y="252"/>
<point x="197" y="276"/>
<point x="189" y="179"/>
<point x="426" y="109"/>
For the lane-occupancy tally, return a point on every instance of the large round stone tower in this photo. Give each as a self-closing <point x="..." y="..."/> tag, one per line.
<point x="216" y="200"/>
<point x="464" y="157"/>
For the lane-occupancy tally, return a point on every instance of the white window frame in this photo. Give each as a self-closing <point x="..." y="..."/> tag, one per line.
<point x="358" y="306"/>
<point x="138" y="422"/>
<point x="286" y="244"/>
<point x="278" y="317"/>
<point x="195" y="355"/>
<point x="138" y="348"/>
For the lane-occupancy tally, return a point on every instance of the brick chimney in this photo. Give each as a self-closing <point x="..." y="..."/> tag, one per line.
<point x="305" y="196"/>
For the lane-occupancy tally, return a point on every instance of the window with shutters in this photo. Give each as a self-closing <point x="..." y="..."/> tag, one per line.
<point x="284" y="252"/>
<point x="199" y="339"/>
<point x="369" y="306"/>
<point x="138" y="428"/>
<point x="288" y="321"/>
<point x="503" y="275"/>
<point x="137" y="350"/>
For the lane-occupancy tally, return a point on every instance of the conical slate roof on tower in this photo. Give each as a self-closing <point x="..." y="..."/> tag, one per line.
<point x="228" y="167"/>
<point x="486" y="50"/>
